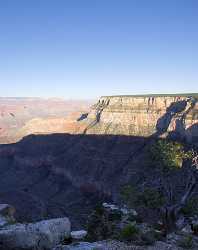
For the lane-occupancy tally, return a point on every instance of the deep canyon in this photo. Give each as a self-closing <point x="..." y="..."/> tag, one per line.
<point x="62" y="166"/>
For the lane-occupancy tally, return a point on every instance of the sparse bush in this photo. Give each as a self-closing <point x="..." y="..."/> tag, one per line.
<point x="115" y="216"/>
<point x="129" y="195"/>
<point x="168" y="155"/>
<point x="191" y="207"/>
<point x="99" y="210"/>
<point x="151" y="198"/>
<point x="129" y="232"/>
<point x="100" y="225"/>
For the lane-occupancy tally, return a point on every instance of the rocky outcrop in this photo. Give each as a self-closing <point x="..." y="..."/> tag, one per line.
<point x="81" y="246"/>
<point x="117" y="245"/>
<point x="145" y="116"/>
<point x="78" y="235"/>
<point x="42" y="235"/>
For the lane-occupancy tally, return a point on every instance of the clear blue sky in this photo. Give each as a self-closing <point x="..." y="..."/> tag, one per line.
<point x="88" y="48"/>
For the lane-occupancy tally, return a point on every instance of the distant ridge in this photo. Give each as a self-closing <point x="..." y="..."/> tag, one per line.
<point x="155" y="95"/>
<point x="20" y="98"/>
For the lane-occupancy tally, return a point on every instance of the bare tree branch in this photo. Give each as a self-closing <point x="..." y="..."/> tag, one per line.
<point x="195" y="160"/>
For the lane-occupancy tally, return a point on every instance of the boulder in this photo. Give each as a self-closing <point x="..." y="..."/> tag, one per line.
<point x="80" y="246"/>
<point x="163" y="246"/>
<point x="124" y="210"/>
<point x="187" y="229"/>
<point x="110" y="206"/>
<point x="127" y="211"/>
<point x="42" y="235"/>
<point x="3" y="221"/>
<point x="78" y="235"/>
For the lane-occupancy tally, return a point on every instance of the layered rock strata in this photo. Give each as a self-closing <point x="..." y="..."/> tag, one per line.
<point x="145" y="116"/>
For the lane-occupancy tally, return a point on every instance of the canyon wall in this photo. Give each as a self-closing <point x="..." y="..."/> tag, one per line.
<point x="56" y="175"/>
<point x="115" y="115"/>
<point x="145" y="116"/>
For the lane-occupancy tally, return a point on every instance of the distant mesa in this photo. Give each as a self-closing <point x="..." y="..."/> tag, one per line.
<point x="145" y="115"/>
<point x="137" y="115"/>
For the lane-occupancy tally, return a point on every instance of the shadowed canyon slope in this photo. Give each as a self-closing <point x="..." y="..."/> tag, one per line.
<point x="46" y="176"/>
<point x="55" y="175"/>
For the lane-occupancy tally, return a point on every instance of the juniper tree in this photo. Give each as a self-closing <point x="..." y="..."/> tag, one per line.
<point x="170" y="157"/>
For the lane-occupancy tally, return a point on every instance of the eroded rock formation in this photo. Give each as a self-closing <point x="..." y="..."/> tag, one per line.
<point x="145" y="116"/>
<point x="120" y="115"/>
<point x="46" y="176"/>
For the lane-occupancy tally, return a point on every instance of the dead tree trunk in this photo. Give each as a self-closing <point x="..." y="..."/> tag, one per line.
<point x="170" y="213"/>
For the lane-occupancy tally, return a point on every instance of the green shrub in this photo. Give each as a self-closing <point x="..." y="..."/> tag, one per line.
<point x="191" y="207"/>
<point x="168" y="155"/>
<point x="115" y="216"/>
<point x="99" y="210"/>
<point x="129" y="232"/>
<point x="129" y="195"/>
<point x="151" y="198"/>
<point x="100" y="225"/>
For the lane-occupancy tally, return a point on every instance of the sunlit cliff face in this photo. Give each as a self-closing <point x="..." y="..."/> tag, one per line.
<point x="144" y="116"/>
<point x="65" y="174"/>
<point x="116" y="115"/>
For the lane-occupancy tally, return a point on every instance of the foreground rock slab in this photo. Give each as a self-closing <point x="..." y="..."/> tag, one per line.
<point x="42" y="235"/>
<point x="115" y="245"/>
<point x="81" y="246"/>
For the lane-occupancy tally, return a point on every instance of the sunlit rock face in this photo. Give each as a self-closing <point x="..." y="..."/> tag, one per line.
<point x="117" y="115"/>
<point x="145" y="116"/>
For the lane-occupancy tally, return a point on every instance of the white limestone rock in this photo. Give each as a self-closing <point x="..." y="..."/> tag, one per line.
<point x="78" y="235"/>
<point x="81" y="246"/>
<point x="42" y="235"/>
